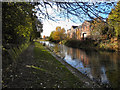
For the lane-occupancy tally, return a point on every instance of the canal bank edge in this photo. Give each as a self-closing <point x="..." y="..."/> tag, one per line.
<point x="88" y="82"/>
<point x="94" y="45"/>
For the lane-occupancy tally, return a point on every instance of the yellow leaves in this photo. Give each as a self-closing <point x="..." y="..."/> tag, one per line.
<point x="58" y="28"/>
<point x="24" y="31"/>
<point x="59" y="34"/>
<point x="113" y="19"/>
<point x="62" y="30"/>
<point x="97" y="27"/>
<point x="56" y="35"/>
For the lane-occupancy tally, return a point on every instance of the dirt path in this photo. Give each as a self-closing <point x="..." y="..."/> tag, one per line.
<point x="22" y="76"/>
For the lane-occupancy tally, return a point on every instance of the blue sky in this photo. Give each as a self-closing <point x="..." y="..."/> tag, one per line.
<point x="50" y="25"/>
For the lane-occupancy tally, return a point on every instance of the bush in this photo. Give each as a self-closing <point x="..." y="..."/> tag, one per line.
<point x="80" y="44"/>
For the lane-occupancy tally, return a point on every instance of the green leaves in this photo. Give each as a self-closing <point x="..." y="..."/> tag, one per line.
<point x="19" y="24"/>
<point x="99" y="27"/>
<point x="114" y="19"/>
<point x="111" y="27"/>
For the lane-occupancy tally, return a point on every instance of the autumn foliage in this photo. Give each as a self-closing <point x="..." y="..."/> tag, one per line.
<point x="58" y="34"/>
<point x="114" y="19"/>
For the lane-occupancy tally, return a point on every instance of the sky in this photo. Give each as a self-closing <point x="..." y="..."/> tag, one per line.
<point x="50" y="25"/>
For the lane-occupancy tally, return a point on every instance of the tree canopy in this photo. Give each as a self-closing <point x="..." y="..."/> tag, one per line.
<point x="19" y="23"/>
<point x="99" y="27"/>
<point x="114" y="19"/>
<point x="58" y="34"/>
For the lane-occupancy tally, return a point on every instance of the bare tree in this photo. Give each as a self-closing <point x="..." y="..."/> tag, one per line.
<point x="81" y="10"/>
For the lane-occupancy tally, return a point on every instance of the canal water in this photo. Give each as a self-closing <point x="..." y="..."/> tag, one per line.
<point x="101" y="66"/>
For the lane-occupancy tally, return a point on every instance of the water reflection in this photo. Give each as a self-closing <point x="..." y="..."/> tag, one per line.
<point x="100" y="66"/>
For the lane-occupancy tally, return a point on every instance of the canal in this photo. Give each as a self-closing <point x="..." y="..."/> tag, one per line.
<point x="100" y="66"/>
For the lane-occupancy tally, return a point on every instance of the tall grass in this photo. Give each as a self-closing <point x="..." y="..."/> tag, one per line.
<point x="11" y="54"/>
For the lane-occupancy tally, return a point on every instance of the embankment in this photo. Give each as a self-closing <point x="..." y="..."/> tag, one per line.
<point x="37" y="68"/>
<point x="101" y="45"/>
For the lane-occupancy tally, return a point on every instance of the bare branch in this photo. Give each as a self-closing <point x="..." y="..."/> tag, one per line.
<point x="82" y="10"/>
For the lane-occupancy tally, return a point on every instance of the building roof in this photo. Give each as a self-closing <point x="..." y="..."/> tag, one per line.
<point x="74" y="27"/>
<point x="88" y="21"/>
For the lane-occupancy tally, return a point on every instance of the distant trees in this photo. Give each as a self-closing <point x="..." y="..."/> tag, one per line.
<point x="57" y="35"/>
<point x="51" y="36"/>
<point x="44" y="37"/>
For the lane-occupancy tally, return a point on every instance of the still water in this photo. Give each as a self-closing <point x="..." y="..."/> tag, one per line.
<point x="100" y="66"/>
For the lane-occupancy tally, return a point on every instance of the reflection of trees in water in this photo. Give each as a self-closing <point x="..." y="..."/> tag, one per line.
<point x="112" y="57"/>
<point x="56" y="48"/>
<point x="109" y="60"/>
<point x="78" y="54"/>
<point x="114" y="77"/>
<point x="63" y="50"/>
<point x="95" y="61"/>
<point x="68" y="51"/>
<point x="74" y="54"/>
<point x="81" y="55"/>
<point x="95" y="67"/>
<point x="71" y="53"/>
<point x="91" y="59"/>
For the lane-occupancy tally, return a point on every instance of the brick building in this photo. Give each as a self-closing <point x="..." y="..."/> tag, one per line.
<point x="71" y="33"/>
<point x="79" y="32"/>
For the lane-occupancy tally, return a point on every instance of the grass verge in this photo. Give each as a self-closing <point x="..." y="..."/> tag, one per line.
<point x="51" y="72"/>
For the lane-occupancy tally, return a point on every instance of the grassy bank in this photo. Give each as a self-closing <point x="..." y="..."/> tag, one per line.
<point x="51" y="72"/>
<point x="84" y="44"/>
<point x="11" y="53"/>
<point x="103" y="45"/>
<point x="10" y="59"/>
<point x="37" y="68"/>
